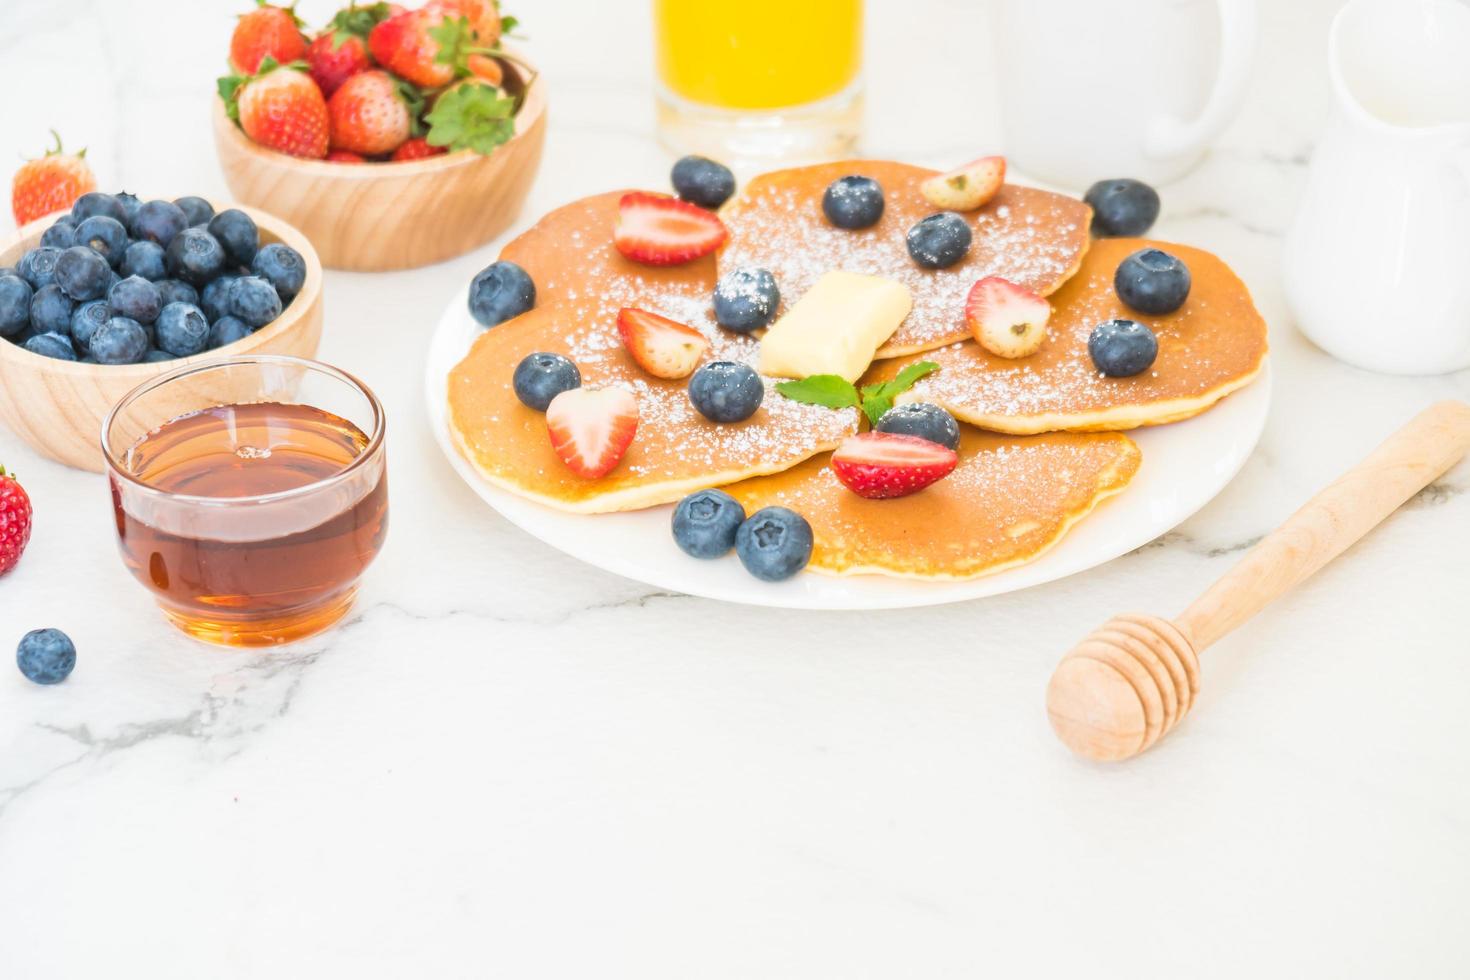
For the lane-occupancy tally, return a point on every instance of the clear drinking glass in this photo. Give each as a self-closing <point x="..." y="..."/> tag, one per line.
<point x="250" y="494"/>
<point x="754" y="82"/>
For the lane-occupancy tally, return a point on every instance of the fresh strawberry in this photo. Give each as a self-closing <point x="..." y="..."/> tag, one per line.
<point x="879" y="465"/>
<point x="471" y="115"/>
<point x="346" y="156"/>
<point x="966" y="188"/>
<point x="15" y="521"/>
<point x="483" y="17"/>
<point x="656" y="229"/>
<point x="372" y="113"/>
<point x="1008" y="320"/>
<point x="266" y="32"/>
<point x="340" y="51"/>
<point x="417" y="148"/>
<point x="664" y="348"/>
<point x="591" y="428"/>
<point x="409" y="45"/>
<point x="281" y="108"/>
<point x="485" y="68"/>
<point x="49" y="184"/>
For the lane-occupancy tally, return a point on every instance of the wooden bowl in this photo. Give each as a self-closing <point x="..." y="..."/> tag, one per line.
<point x="372" y="217"/>
<point x="57" y="406"/>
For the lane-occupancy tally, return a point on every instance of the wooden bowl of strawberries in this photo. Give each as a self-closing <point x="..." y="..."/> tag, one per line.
<point x="394" y="138"/>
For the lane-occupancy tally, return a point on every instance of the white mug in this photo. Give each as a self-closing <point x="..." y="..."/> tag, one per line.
<point x="1377" y="263"/>
<point x="1095" y="89"/>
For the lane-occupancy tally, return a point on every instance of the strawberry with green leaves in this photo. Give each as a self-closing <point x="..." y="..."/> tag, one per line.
<point x="279" y="107"/>
<point x="431" y="46"/>
<point x="50" y="183"/>
<point x="266" y="32"/>
<point x="373" y="113"/>
<point x="471" y="115"/>
<point x="340" y="51"/>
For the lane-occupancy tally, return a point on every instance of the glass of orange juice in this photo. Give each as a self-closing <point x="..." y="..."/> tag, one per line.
<point x="759" y="81"/>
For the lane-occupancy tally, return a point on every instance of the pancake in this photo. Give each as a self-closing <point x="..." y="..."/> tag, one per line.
<point x="1032" y="237"/>
<point x="581" y="283"/>
<point x="1209" y="347"/>
<point x="1009" y="499"/>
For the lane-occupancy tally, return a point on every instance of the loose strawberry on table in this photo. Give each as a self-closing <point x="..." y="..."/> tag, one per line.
<point x="279" y="107"/>
<point x="266" y="32"/>
<point x="50" y="183"/>
<point x="15" y="521"/>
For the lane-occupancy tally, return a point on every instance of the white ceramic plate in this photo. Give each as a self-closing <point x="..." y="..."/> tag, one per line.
<point x="1184" y="466"/>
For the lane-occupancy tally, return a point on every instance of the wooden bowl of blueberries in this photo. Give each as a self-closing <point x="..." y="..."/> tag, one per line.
<point x="98" y="300"/>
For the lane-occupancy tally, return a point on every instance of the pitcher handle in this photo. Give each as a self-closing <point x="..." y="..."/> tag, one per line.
<point x="1171" y="136"/>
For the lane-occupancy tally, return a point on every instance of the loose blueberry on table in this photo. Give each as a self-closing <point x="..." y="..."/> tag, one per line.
<point x="46" y="656"/>
<point x="1152" y="281"/>
<point x="853" y="202"/>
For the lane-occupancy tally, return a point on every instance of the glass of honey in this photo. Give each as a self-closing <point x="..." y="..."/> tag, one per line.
<point x="758" y="82"/>
<point x="250" y="495"/>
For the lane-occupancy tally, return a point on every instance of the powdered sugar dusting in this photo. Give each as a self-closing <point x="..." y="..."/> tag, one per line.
<point x="1033" y="238"/>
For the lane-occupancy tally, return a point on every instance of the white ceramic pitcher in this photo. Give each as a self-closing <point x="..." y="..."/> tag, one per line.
<point x="1094" y="89"/>
<point x="1378" y="259"/>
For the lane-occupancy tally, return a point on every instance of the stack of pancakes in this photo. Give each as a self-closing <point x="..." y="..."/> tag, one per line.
<point x="1046" y="447"/>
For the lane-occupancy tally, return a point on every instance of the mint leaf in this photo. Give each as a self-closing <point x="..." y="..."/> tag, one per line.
<point x="878" y="398"/>
<point x="829" y="390"/>
<point x="471" y="116"/>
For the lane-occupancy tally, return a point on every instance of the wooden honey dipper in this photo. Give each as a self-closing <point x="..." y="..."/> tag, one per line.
<point x="1129" y="683"/>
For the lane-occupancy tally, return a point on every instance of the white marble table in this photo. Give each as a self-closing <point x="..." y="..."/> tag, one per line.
<point x="510" y="764"/>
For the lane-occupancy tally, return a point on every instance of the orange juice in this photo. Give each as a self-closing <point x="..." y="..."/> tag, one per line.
<point x="758" y="54"/>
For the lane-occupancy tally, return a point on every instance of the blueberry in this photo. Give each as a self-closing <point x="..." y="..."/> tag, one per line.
<point x="38" y="266"/>
<point x="283" y="267"/>
<point x="939" y="241"/>
<point x="174" y="291"/>
<point x="51" y="345"/>
<point x="46" y="656"/>
<point x="214" y="298"/>
<point x="155" y="356"/>
<point x="15" y="305"/>
<point x="1122" y="207"/>
<point x="144" y="259"/>
<point x="1152" y="281"/>
<point x="541" y="377"/>
<point x="82" y="274"/>
<point x="853" y="202"/>
<point x="501" y="290"/>
<point x="254" y="300"/>
<point x="923" y="420"/>
<point x="68" y="219"/>
<point x="51" y="310"/>
<point x="236" y="232"/>
<point x="227" y="330"/>
<point x="60" y="235"/>
<point x="96" y="203"/>
<point x="705" y="523"/>
<point x="130" y="205"/>
<point x="85" y="321"/>
<point x="182" y="329"/>
<point x="108" y="238"/>
<point x="1122" y="348"/>
<point x="9" y="270"/>
<point x="197" y="211"/>
<point x="159" y="221"/>
<point x="774" y="543"/>
<point x="723" y="391"/>
<point x="746" y="299"/>
<point x="119" y="341"/>
<point x="702" y="181"/>
<point x="135" y="298"/>
<point x="194" y="256"/>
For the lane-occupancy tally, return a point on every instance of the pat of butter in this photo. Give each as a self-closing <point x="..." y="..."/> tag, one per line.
<point x="836" y="328"/>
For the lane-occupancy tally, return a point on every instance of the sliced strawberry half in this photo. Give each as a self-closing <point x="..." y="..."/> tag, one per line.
<point x="591" y="428"/>
<point x="966" y="188"/>
<point x="664" y="348"/>
<point x="879" y="465"/>
<point x="1008" y="320"/>
<point x="659" y="230"/>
